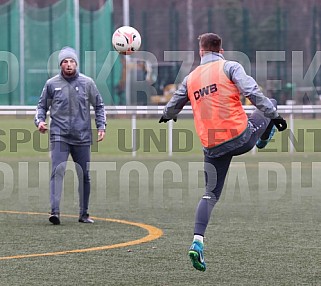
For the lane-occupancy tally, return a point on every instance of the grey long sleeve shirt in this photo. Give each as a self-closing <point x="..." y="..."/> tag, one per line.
<point x="247" y="87"/>
<point x="235" y="72"/>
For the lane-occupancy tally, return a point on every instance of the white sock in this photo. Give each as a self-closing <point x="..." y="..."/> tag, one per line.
<point x="198" y="237"/>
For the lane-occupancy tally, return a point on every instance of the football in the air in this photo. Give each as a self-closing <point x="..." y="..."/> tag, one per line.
<point x="126" y="40"/>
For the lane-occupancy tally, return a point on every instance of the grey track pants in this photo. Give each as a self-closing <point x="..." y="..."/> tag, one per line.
<point x="215" y="170"/>
<point x="81" y="156"/>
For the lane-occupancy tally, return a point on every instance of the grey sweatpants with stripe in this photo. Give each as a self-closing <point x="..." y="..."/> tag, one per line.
<point x="80" y="154"/>
<point x="215" y="170"/>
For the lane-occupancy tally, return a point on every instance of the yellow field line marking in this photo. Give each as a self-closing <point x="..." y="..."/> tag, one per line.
<point x="153" y="233"/>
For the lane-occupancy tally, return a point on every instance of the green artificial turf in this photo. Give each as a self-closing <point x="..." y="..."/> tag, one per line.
<point x="265" y="230"/>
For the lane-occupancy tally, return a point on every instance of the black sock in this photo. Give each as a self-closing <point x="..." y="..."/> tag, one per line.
<point x="267" y="131"/>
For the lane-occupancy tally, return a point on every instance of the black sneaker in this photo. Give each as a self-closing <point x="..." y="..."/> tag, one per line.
<point x="85" y="218"/>
<point x="54" y="219"/>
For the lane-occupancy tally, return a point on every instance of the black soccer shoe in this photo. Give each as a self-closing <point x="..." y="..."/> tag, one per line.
<point x="54" y="219"/>
<point x="85" y="218"/>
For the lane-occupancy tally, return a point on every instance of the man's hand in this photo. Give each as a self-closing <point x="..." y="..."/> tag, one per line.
<point x="42" y="127"/>
<point x="101" y="135"/>
<point x="280" y="123"/>
<point x="162" y="119"/>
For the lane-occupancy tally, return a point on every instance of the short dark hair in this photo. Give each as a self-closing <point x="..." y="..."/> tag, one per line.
<point x="210" y="42"/>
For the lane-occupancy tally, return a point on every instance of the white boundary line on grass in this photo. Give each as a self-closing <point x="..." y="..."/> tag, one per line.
<point x="136" y="111"/>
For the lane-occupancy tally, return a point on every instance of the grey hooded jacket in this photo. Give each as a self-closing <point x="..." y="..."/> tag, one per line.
<point x="69" y="102"/>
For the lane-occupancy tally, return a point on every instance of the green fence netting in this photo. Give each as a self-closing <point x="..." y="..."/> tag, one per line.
<point x="32" y="33"/>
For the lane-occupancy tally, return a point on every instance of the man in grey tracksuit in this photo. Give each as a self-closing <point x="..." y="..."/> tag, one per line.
<point x="69" y="95"/>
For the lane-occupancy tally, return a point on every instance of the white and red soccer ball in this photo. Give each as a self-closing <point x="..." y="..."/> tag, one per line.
<point x="126" y="40"/>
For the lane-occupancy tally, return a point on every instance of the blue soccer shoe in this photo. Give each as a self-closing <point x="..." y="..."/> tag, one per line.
<point x="196" y="255"/>
<point x="261" y="143"/>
